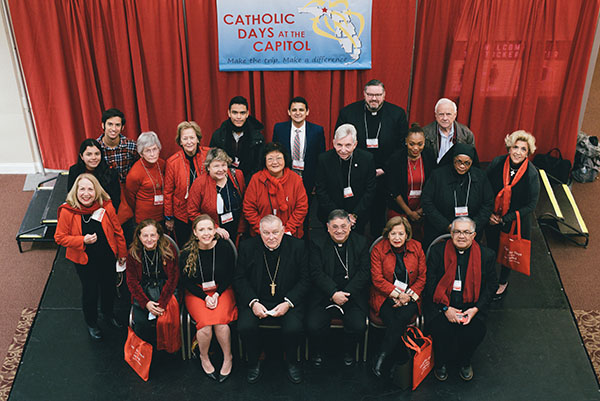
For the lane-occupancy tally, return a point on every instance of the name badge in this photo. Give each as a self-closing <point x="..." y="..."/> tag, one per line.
<point x="151" y="316"/>
<point x="274" y="212"/>
<point x="461" y="211"/>
<point x="400" y="285"/>
<point x="372" y="143"/>
<point x="226" y="217"/>
<point x="236" y="162"/>
<point x="457" y="286"/>
<point x="98" y="214"/>
<point x="298" y="165"/>
<point x="209" y="285"/>
<point x="158" y="200"/>
<point x="414" y="193"/>
<point x="348" y="192"/>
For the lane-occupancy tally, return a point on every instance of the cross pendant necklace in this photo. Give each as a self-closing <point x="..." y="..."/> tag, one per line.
<point x="274" y="276"/>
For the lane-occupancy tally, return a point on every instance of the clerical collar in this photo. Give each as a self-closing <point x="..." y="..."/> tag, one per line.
<point x="271" y="250"/>
<point x="373" y="112"/>
<point x="461" y="251"/>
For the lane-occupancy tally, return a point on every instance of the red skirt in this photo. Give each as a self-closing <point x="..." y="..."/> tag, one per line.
<point x="225" y="312"/>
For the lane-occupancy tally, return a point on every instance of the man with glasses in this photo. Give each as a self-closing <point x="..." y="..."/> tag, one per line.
<point x="381" y="129"/>
<point x="444" y="132"/>
<point x="461" y="280"/>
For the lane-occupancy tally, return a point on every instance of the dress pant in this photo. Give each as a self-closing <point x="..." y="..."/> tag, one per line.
<point x="142" y="327"/>
<point x="98" y="279"/>
<point x="449" y="338"/>
<point x="396" y="320"/>
<point x="183" y="231"/>
<point x="318" y="320"/>
<point x="291" y="332"/>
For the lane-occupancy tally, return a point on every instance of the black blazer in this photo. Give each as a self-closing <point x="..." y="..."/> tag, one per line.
<point x="330" y="185"/>
<point x="314" y="145"/>
<point x="394" y="127"/>
<point x="292" y="279"/>
<point x="322" y="261"/>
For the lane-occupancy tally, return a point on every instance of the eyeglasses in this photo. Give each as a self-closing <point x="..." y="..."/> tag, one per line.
<point x="465" y="163"/>
<point x="464" y="233"/>
<point x="373" y="94"/>
<point x="274" y="159"/>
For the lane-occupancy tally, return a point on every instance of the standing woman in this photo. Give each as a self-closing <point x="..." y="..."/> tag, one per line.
<point x="398" y="272"/>
<point x="91" y="160"/>
<point x="152" y="276"/>
<point x="144" y="188"/>
<point x="219" y="194"/>
<point x="207" y="264"/>
<point x="516" y="184"/>
<point x="407" y="170"/>
<point x="89" y="229"/>
<point x="181" y="171"/>
<point x="276" y="190"/>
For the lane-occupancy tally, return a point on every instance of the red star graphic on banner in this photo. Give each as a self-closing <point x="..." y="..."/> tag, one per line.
<point x="324" y="9"/>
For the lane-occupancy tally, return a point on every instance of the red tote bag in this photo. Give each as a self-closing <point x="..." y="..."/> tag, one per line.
<point x="514" y="252"/>
<point x="423" y="354"/>
<point x="138" y="354"/>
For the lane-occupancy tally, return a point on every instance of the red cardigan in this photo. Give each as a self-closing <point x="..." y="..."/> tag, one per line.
<point x="383" y="264"/>
<point x="203" y="197"/>
<point x="134" y="280"/>
<point x="68" y="234"/>
<point x="257" y="205"/>
<point x="177" y="181"/>
<point x="139" y="193"/>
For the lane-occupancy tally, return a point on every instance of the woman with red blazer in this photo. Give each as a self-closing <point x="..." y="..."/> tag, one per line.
<point x="219" y="194"/>
<point x="182" y="170"/>
<point x="398" y="272"/>
<point x="89" y="229"/>
<point x="277" y="190"/>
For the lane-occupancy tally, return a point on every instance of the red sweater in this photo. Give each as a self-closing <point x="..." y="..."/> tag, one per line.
<point x="68" y="233"/>
<point x="134" y="280"/>
<point x="139" y="191"/>
<point x="383" y="264"/>
<point x="177" y="181"/>
<point x="259" y="203"/>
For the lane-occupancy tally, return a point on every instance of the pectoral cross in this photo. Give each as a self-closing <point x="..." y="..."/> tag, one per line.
<point x="272" y="285"/>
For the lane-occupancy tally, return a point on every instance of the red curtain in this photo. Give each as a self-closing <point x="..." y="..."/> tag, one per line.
<point x="509" y="64"/>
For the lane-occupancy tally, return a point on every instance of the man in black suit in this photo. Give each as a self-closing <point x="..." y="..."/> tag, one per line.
<point x="381" y="129"/>
<point x="340" y="278"/>
<point x="346" y="179"/>
<point x="270" y="283"/>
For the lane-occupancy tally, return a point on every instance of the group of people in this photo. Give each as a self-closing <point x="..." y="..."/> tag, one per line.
<point x="382" y="179"/>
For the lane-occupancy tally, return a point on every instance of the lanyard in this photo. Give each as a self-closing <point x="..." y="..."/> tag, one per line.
<point x="405" y="270"/>
<point x="213" y="265"/>
<point x="468" y="191"/>
<point x="153" y="261"/>
<point x="151" y="180"/>
<point x="220" y="197"/>
<point x="350" y="168"/>
<point x="367" y="129"/>
<point x="420" y="161"/>
<point x="345" y="266"/>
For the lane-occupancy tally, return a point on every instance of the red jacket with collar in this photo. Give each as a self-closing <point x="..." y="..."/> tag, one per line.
<point x="177" y="181"/>
<point x="139" y="191"/>
<point x="68" y="233"/>
<point x="383" y="264"/>
<point x="257" y="203"/>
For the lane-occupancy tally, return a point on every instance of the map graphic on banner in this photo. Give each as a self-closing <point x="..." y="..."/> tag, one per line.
<point x="294" y="35"/>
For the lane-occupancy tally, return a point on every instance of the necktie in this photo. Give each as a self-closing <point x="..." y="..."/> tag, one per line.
<point x="296" y="148"/>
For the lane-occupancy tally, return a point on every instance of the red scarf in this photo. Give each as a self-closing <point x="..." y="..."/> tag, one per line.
<point x="167" y="328"/>
<point x="502" y="202"/>
<point x="471" y="284"/>
<point x="275" y="187"/>
<point x="81" y="210"/>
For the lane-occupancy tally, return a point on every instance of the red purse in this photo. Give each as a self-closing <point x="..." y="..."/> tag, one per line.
<point x="138" y="354"/>
<point x="423" y="354"/>
<point x="514" y="252"/>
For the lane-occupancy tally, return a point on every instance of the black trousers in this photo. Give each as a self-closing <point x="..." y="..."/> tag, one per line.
<point x="396" y="321"/>
<point x="183" y="231"/>
<point x="318" y="321"/>
<point x="98" y="279"/>
<point x="142" y="327"/>
<point x="449" y="338"/>
<point x="291" y="332"/>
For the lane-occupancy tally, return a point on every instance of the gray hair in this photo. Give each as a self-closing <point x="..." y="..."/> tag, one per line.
<point x="343" y="131"/>
<point x="445" y="101"/>
<point x="147" y="139"/>
<point x="338" y="214"/>
<point x="464" y="219"/>
<point x="270" y="218"/>
<point x="216" y="154"/>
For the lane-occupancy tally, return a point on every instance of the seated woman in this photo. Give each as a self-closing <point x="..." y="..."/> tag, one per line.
<point x="91" y="160"/>
<point x="207" y="264"/>
<point x="398" y="272"/>
<point x="276" y="190"/>
<point x="152" y="276"/>
<point x="219" y="194"/>
<point x="88" y="227"/>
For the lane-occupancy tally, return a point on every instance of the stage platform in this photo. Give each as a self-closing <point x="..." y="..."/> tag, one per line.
<point x="532" y="351"/>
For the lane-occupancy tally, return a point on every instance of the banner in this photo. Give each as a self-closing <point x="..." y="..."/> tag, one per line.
<point x="294" y="35"/>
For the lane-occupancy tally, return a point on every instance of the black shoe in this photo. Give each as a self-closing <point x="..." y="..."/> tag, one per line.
<point x="466" y="372"/>
<point x="378" y="365"/>
<point x="317" y="360"/>
<point x="212" y="375"/>
<point x="113" y="322"/>
<point x="499" y="297"/>
<point x="222" y="377"/>
<point x="95" y="333"/>
<point x="254" y="373"/>
<point x="348" y="359"/>
<point x="441" y="373"/>
<point x="294" y="373"/>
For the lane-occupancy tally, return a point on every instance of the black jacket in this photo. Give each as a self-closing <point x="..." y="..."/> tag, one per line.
<point x="107" y="176"/>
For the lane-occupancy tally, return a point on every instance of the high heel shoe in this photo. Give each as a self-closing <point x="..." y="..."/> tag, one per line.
<point x="221" y="377"/>
<point x="499" y="297"/>
<point x="212" y="375"/>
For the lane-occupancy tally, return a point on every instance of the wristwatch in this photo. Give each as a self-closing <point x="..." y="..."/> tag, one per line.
<point x="445" y="308"/>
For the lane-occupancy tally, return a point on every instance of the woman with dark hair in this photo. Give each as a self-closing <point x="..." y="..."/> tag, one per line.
<point x="207" y="264"/>
<point x="152" y="276"/>
<point x="91" y="160"/>
<point x="276" y="190"/>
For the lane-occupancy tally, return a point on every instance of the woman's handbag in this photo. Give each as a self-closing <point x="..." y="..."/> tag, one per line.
<point x="514" y="252"/>
<point x="138" y="354"/>
<point x="422" y="360"/>
<point x="556" y="166"/>
<point x="152" y="289"/>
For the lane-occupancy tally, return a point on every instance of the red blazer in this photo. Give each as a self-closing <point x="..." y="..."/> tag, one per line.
<point x="134" y="280"/>
<point x="139" y="192"/>
<point x="383" y="264"/>
<point x="203" y="197"/>
<point x="68" y="234"/>
<point x="177" y="182"/>
<point x="257" y="204"/>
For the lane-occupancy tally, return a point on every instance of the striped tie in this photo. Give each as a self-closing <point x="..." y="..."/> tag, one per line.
<point x="296" y="150"/>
